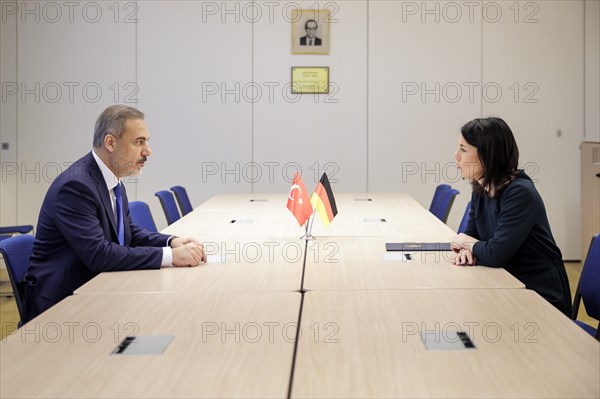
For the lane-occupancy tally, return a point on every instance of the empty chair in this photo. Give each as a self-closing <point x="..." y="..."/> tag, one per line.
<point x="169" y="206"/>
<point x="445" y="204"/>
<point x="587" y="289"/>
<point x="185" y="206"/>
<point x="141" y="215"/>
<point x="465" y="219"/>
<point x="437" y="196"/>
<point x="24" y="229"/>
<point x="16" y="252"/>
<point x="8" y="231"/>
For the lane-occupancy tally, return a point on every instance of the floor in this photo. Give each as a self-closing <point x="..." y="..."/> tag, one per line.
<point x="9" y="316"/>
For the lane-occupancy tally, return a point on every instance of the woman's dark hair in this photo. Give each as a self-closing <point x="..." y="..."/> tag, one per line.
<point x="497" y="151"/>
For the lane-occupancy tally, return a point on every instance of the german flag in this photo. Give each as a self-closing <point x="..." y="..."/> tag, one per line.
<point x="323" y="201"/>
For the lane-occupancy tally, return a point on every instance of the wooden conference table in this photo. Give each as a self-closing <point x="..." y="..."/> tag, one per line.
<point x="370" y="346"/>
<point x="261" y="250"/>
<point x="224" y="345"/>
<point x="361" y="312"/>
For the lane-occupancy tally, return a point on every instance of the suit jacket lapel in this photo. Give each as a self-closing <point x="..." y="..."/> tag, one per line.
<point x="96" y="174"/>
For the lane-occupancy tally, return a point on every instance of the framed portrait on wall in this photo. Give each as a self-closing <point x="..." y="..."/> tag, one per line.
<point x="310" y="31"/>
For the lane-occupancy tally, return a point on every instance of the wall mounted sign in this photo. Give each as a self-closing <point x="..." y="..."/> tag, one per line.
<point x="310" y="80"/>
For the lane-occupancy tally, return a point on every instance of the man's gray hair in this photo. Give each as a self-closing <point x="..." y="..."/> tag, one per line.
<point x="310" y="20"/>
<point x="112" y="121"/>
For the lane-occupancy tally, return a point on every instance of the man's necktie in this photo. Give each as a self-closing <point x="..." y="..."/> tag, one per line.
<point x="120" y="226"/>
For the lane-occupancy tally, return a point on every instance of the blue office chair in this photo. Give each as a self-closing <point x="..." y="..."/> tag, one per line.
<point x="437" y="196"/>
<point x="8" y="231"/>
<point x="16" y="252"/>
<point x="588" y="288"/>
<point x="445" y="204"/>
<point x="141" y="215"/>
<point x="169" y="206"/>
<point x="465" y="219"/>
<point x="24" y="229"/>
<point x="182" y="199"/>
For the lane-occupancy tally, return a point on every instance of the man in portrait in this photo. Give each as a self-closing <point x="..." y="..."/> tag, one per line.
<point x="311" y="38"/>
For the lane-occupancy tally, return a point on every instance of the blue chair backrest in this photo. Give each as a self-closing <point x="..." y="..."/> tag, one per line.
<point x="169" y="206"/>
<point x="437" y="196"/>
<point x="589" y="281"/>
<point x="141" y="215"/>
<point x="446" y="201"/>
<point x="23" y="229"/>
<point x="183" y="200"/>
<point x="465" y="219"/>
<point x="16" y="252"/>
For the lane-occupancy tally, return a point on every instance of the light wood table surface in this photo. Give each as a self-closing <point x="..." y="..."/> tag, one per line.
<point x="384" y="215"/>
<point x="249" y="225"/>
<point x="359" y="215"/>
<point x="224" y="345"/>
<point x="375" y="223"/>
<point x="270" y="201"/>
<point x="367" y="344"/>
<point x="233" y="265"/>
<point x="244" y="202"/>
<point x="341" y="263"/>
<point x="234" y="319"/>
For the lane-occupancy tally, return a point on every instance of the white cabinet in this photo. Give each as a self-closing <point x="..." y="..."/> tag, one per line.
<point x="590" y="194"/>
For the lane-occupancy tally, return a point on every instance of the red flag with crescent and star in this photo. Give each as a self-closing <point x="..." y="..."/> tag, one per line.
<point x="298" y="201"/>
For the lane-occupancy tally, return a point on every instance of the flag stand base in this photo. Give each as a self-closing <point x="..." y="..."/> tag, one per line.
<point x="307" y="237"/>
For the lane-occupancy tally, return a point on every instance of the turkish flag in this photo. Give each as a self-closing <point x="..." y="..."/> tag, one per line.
<point x="298" y="201"/>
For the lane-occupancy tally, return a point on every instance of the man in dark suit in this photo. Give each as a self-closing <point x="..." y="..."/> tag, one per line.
<point x="311" y="38"/>
<point x="84" y="226"/>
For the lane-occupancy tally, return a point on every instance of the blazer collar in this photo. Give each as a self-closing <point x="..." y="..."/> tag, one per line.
<point x="103" y="190"/>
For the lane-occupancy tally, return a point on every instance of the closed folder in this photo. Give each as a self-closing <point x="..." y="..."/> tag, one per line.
<point x="417" y="246"/>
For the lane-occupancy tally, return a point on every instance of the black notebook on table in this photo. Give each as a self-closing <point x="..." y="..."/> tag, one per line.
<point x="417" y="246"/>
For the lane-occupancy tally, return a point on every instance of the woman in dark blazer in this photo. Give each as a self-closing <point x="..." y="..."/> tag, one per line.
<point x="508" y="225"/>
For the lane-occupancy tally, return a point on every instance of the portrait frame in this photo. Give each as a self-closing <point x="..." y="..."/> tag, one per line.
<point x="301" y="19"/>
